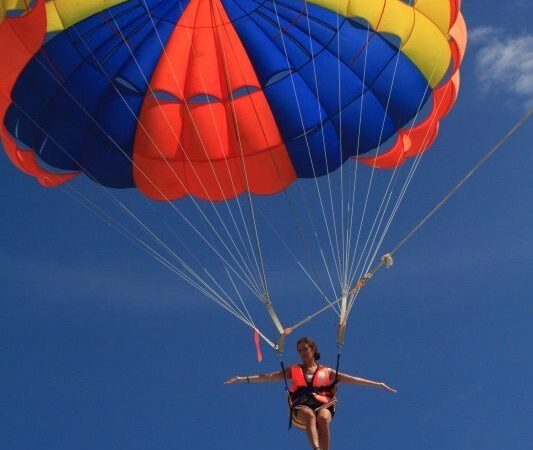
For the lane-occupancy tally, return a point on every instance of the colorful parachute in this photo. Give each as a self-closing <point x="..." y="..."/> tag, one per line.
<point x="212" y="98"/>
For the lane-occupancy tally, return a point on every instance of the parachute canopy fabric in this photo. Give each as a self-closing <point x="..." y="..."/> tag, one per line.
<point x="213" y="98"/>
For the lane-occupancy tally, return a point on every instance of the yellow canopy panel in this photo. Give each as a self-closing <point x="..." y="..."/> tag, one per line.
<point x="62" y="14"/>
<point x="422" y="28"/>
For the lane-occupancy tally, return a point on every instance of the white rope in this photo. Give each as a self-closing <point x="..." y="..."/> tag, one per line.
<point x="337" y="256"/>
<point x="266" y="296"/>
<point x="196" y="281"/>
<point x="356" y="163"/>
<point x="289" y="65"/>
<point x="343" y="263"/>
<point x="293" y="254"/>
<point x="370" y="184"/>
<point x="369" y="261"/>
<point x="198" y="134"/>
<point x="356" y="289"/>
<point x="207" y="290"/>
<point x="316" y="280"/>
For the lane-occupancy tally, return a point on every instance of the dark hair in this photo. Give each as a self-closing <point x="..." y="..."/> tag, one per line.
<point x="311" y="343"/>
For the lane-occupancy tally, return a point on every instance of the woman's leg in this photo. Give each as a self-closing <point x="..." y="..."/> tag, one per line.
<point x="307" y="416"/>
<point x="323" y="418"/>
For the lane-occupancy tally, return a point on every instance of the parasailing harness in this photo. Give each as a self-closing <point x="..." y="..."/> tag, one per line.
<point x="303" y="390"/>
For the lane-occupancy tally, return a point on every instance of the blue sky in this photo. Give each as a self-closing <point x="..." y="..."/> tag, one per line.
<point x="104" y="348"/>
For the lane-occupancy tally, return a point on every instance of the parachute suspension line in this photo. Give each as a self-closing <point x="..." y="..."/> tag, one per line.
<point x="392" y="181"/>
<point x="285" y="193"/>
<point x="319" y="195"/>
<point x="258" y="259"/>
<point x="365" y="46"/>
<point x="111" y="196"/>
<point x="337" y="257"/>
<point x="290" y="205"/>
<point x="219" y="139"/>
<point x="237" y="292"/>
<point x="342" y="256"/>
<point x="353" y="202"/>
<point x="200" y="181"/>
<point x="210" y="162"/>
<point x="196" y="281"/>
<point x="403" y="191"/>
<point x="266" y="298"/>
<point x="383" y="207"/>
<point x="315" y="231"/>
<point x="291" y="252"/>
<point x="201" y="141"/>
<point x="315" y="77"/>
<point x="199" y="284"/>
<point x="245" y="311"/>
<point x="347" y="231"/>
<point x="316" y="280"/>
<point x="159" y="258"/>
<point x="387" y="259"/>
<point x="140" y="170"/>
<point x="356" y="162"/>
<point x="136" y="220"/>
<point x="259" y="251"/>
<point x="369" y="37"/>
<point x="370" y="184"/>
<point x="326" y="265"/>
<point x="260" y="266"/>
<point x="184" y="264"/>
<point x="86" y="203"/>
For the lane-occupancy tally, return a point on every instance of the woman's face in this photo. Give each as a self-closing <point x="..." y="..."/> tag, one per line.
<point x="306" y="351"/>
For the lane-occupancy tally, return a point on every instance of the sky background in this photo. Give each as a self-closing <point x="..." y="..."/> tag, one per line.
<point x="101" y="347"/>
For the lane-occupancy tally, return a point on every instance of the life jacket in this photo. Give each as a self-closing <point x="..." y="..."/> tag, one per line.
<point x="319" y="387"/>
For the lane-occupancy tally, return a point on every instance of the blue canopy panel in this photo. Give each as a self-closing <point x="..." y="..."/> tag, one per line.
<point x="78" y="100"/>
<point x="311" y="64"/>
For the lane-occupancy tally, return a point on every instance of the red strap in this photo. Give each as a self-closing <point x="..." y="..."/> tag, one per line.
<point x="257" y="342"/>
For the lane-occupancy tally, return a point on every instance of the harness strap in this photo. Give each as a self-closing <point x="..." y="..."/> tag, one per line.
<point x="336" y="380"/>
<point x="291" y="408"/>
<point x="284" y="376"/>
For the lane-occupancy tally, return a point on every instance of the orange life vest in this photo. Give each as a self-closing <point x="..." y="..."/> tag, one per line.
<point x="320" y="379"/>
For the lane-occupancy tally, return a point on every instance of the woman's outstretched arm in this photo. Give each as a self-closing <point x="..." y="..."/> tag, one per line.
<point x="262" y="378"/>
<point x="349" y="379"/>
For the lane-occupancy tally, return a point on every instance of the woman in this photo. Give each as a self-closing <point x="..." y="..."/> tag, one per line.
<point x="311" y="392"/>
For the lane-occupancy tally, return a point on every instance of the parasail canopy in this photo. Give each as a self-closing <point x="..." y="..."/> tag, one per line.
<point x="211" y="99"/>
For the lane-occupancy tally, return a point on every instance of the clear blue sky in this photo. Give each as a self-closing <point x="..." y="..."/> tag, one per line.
<point x="103" y="348"/>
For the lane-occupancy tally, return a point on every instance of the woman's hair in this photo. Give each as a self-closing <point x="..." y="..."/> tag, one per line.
<point x="311" y="343"/>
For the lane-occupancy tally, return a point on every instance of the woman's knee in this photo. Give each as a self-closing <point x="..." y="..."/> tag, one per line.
<point x="306" y="415"/>
<point x="323" y="419"/>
